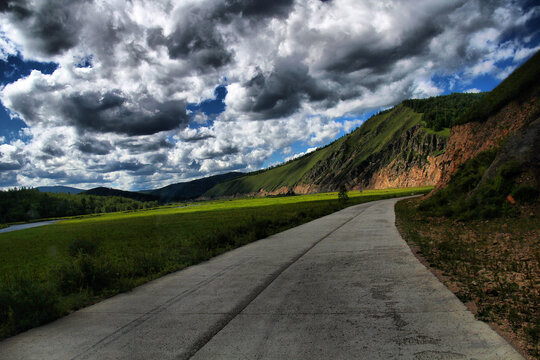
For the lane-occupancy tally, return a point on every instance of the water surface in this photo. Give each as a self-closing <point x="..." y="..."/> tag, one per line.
<point x="27" y="226"/>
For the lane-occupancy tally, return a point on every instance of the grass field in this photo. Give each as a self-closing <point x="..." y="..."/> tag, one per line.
<point x="48" y="271"/>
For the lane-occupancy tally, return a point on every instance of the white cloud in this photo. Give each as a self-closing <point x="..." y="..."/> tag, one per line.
<point x="473" y="91"/>
<point x="292" y="69"/>
<point x="6" y="47"/>
<point x="296" y="156"/>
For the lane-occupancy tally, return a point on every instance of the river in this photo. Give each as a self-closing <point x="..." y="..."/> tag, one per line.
<point x="26" y="226"/>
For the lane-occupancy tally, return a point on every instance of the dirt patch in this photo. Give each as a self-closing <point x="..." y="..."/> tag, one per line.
<point x="491" y="265"/>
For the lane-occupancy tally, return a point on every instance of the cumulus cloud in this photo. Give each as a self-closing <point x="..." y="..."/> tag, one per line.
<point x="138" y="96"/>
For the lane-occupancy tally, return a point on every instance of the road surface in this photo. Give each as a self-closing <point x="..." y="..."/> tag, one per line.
<point x="345" y="286"/>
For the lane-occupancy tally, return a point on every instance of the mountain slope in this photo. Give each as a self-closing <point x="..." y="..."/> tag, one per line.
<point x="104" y="191"/>
<point x="190" y="190"/>
<point x="481" y="225"/>
<point x="59" y="189"/>
<point x="392" y="148"/>
<point x="496" y="155"/>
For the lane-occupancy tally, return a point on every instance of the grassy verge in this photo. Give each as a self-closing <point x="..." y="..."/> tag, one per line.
<point x="492" y="266"/>
<point x="49" y="271"/>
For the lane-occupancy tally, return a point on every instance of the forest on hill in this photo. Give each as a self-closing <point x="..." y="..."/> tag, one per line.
<point x="26" y="204"/>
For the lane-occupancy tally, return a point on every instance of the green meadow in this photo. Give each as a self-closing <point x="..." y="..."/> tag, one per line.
<point x="49" y="271"/>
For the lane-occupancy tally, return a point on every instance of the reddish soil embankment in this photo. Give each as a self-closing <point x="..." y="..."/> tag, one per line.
<point x="468" y="140"/>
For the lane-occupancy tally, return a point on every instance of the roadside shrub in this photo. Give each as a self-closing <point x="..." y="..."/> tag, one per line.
<point x="342" y="194"/>
<point x="465" y="199"/>
<point x="86" y="273"/>
<point x="510" y="169"/>
<point x="25" y="303"/>
<point x="147" y="264"/>
<point x="525" y="193"/>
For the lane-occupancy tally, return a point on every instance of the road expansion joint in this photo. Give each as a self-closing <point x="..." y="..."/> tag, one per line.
<point x="213" y="331"/>
<point x="148" y="315"/>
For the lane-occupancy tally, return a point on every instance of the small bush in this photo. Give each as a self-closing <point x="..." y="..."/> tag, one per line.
<point x="510" y="169"/>
<point x="86" y="273"/>
<point x="525" y="193"/>
<point x="342" y="195"/>
<point x="147" y="264"/>
<point x="25" y="303"/>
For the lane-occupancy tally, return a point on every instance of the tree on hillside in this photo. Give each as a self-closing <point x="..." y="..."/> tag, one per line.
<point x="342" y="194"/>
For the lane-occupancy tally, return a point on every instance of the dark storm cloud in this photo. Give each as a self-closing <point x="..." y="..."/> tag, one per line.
<point x="112" y="112"/>
<point x="158" y="158"/>
<point x="94" y="146"/>
<point x="369" y="55"/>
<point x="197" y="38"/>
<point x="11" y="161"/>
<point x="118" y="166"/>
<point x="213" y="154"/>
<point x="254" y="8"/>
<point x="134" y="167"/>
<point x="200" y="42"/>
<point x="9" y="166"/>
<point x="281" y="93"/>
<point x="15" y="7"/>
<point x="144" y="146"/>
<point x="198" y="137"/>
<point x="53" y="26"/>
<point x="53" y="150"/>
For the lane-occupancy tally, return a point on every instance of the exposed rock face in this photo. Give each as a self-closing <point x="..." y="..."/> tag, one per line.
<point x="410" y="160"/>
<point x="522" y="147"/>
<point x="416" y="174"/>
<point x="468" y="140"/>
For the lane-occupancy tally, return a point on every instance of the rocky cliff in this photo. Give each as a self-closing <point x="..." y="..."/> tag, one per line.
<point x="411" y="159"/>
<point x="468" y="140"/>
<point x="391" y="149"/>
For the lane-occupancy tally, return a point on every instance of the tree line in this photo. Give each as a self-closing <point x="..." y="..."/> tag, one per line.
<point x="25" y="204"/>
<point x="443" y="111"/>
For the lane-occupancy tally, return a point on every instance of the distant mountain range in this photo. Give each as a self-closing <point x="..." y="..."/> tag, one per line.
<point x="104" y="191"/>
<point x="170" y="193"/>
<point x="192" y="189"/>
<point x="59" y="189"/>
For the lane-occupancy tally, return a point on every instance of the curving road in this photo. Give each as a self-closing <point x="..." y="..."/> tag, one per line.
<point x="345" y="286"/>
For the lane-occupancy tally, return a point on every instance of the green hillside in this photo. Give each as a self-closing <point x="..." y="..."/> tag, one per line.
<point x="346" y="158"/>
<point x="370" y="137"/>
<point x="523" y="80"/>
<point x="103" y="191"/>
<point x="191" y="189"/>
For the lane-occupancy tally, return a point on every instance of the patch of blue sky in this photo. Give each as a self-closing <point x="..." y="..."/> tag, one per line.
<point x="11" y="70"/>
<point x="85" y="62"/>
<point x="211" y="108"/>
<point x="350" y="123"/>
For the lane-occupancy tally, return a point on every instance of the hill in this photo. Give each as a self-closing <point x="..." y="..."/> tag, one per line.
<point x="104" y="191"/>
<point x="59" y="189"/>
<point x="30" y="204"/>
<point x="493" y="158"/>
<point x="191" y="189"/>
<point x="395" y="148"/>
<point x="480" y="227"/>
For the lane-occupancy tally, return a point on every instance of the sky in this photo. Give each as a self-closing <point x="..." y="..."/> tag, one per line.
<point x="140" y="94"/>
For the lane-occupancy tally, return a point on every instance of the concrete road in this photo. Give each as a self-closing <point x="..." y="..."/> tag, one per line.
<point x="345" y="286"/>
